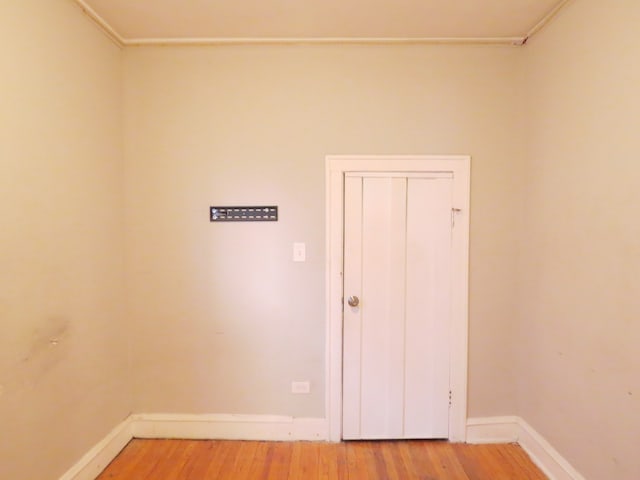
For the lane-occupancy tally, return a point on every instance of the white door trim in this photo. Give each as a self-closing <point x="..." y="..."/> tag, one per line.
<point x="336" y="167"/>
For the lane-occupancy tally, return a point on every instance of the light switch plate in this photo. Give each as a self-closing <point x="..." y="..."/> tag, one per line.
<point x="299" y="252"/>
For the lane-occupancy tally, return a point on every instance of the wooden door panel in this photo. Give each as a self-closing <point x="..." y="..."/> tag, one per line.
<point x="397" y="261"/>
<point x="428" y="311"/>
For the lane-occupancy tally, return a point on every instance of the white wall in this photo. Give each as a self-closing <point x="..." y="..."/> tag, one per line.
<point x="62" y="346"/>
<point x="222" y="319"/>
<point x="579" y="375"/>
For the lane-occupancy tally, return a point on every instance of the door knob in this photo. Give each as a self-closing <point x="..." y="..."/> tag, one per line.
<point x="353" y="301"/>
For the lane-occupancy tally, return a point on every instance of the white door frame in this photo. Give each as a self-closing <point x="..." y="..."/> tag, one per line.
<point x="336" y="167"/>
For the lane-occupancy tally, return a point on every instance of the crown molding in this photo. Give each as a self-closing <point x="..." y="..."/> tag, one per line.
<point x="545" y="20"/>
<point x="122" y="42"/>
<point x="107" y="29"/>
<point x="142" y="42"/>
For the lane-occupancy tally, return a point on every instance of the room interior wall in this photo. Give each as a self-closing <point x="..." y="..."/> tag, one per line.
<point x="63" y="353"/>
<point x="221" y="318"/>
<point x="579" y="295"/>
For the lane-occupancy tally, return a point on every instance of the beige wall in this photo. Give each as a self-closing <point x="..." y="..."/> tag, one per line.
<point x="579" y="376"/>
<point x="222" y="319"/>
<point x="62" y="346"/>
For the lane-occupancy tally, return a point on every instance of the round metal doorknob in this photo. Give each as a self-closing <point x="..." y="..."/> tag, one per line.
<point x="353" y="301"/>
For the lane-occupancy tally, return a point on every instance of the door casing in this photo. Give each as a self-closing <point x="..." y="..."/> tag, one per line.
<point x="336" y="167"/>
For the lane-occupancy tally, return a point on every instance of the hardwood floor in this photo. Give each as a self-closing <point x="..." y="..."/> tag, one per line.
<point x="222" y="460"/>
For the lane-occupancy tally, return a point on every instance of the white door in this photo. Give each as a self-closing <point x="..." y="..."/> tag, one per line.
<point x="397" y="278"/>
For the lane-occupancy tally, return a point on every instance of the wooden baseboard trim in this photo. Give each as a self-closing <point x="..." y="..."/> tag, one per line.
<point x="279" y="428"/>
<point x="515" y="429"/>
<point x="229" y="427"/>
<point x="205" y="427"/>
<point x="554" y="465"/>
<point x="101" y="455"/>
<point x="492" y="430"/>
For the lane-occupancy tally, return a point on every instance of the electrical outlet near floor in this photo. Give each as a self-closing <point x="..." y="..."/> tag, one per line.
<point x="300" y="387"/>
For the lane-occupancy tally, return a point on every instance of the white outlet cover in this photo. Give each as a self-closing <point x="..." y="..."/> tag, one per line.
<point x="300" y="387"/>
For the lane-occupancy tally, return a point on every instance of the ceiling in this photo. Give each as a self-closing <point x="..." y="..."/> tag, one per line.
<point x="193" y="21"/>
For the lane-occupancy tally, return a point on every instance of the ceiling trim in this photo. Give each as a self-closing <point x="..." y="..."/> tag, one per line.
<point x="142" y="42"/>
<point x="107" y="29"/>
<point x="546" y="20"/>
<point x="122" y="42"/>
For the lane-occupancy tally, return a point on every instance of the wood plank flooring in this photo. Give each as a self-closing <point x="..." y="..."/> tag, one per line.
<point x="401" y="460"/>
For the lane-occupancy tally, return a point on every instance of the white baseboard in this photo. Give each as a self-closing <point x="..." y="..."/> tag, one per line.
<point x="201" y="427"/>
<point x="554" y="465"/>
<point x="101" y="455"/>
<point x="229" y="427"/>
<point x="492" y="430"/>
<point x="280" y="428"/>
<point x="515" y="429"/>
